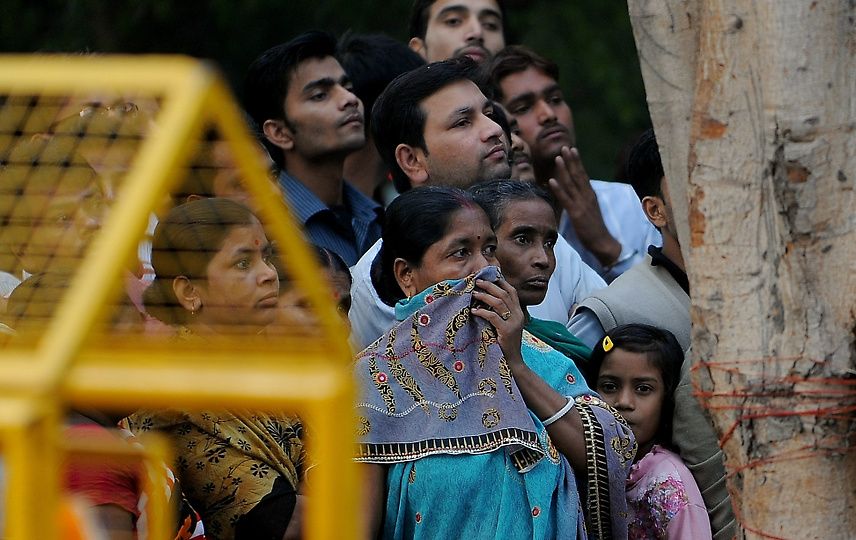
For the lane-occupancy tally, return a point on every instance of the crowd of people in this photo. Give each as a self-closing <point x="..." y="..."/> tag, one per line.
<point x="522" y="332"/>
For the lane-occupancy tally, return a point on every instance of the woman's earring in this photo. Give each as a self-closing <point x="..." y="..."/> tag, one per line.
<point x="194" y="309"/>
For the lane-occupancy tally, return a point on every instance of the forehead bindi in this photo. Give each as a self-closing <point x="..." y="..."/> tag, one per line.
<point x="245" y="236"/>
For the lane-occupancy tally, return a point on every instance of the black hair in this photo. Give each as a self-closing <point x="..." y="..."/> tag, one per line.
<point x="421" y="11"/>
<point x="372" y="61"/>
<point x="663" y="351"/>
<point x="645" y="168"/>
<point x="397" y="115"/>
<point x="268" y="77"/>
<point x="330" y="260"/>
<point x="184" y="243"/>
<point x="199" y="176"/>
<point x="414" y="221"/>
<point x="495" y="196"/>
<point x="514" y="59"/>
<point x="334" y="264"/>
<point x="35" y="299"/>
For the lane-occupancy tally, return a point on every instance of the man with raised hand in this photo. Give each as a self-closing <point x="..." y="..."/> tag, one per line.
<point x="603" y="221"/>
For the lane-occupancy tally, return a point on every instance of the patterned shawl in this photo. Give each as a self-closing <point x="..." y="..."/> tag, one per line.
<point x="437" y="383"/>
<point x="228" y="462"/>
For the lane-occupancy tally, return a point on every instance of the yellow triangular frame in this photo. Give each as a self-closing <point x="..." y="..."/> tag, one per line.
<point x="309" y="375"/>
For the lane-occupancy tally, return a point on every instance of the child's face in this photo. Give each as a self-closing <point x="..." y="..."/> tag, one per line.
<point x="634" y="386"/>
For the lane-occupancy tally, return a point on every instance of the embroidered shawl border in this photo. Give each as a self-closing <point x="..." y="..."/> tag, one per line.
<point x="598" y="519"/>
<point x="481" y="444"/>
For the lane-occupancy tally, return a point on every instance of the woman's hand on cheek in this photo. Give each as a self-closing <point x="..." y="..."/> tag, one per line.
<point x="505" y="314"/>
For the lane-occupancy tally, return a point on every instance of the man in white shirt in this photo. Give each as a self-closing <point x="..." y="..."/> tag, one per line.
<point x="433" y="126"/>
<point x="603" y="221"/>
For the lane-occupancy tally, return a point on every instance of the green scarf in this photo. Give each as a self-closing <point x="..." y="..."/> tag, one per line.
<point x="558" y="337"/>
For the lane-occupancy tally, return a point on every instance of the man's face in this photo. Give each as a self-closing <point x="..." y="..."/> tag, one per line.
<point x="464" y="146"/>
<point x="324" y="116"/>
<point x="521" y="155"/>
<point x="461" y="28"/>
<point x="546" y="123"/>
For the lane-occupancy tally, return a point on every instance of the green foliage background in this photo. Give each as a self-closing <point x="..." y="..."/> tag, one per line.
<point x="591" y="41"/>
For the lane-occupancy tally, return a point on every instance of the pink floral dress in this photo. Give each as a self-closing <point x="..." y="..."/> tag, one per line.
<point x="663" y="499"/>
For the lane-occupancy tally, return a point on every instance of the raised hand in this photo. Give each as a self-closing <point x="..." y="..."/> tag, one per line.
<point x="572" y="189"/>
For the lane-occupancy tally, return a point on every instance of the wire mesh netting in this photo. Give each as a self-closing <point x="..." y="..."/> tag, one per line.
<point x="149" y="270"/>
<point x="63" y="163"/>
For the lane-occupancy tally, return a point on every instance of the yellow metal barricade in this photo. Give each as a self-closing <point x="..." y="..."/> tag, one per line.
<point x="76" y="355"/>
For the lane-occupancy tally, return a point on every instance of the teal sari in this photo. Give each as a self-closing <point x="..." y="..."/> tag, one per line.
<point x="466" y="458"/>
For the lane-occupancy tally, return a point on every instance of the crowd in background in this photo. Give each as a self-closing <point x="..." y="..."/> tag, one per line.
<point x="522" y="331"/>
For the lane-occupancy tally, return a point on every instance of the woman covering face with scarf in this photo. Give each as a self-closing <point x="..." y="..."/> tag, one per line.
<point x="473" y="427"/>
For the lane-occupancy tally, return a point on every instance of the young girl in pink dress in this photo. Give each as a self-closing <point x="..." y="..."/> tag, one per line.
<point x="635" y="368"/>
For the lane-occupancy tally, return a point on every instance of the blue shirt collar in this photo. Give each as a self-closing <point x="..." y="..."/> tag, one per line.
<point x="305" y="204"/>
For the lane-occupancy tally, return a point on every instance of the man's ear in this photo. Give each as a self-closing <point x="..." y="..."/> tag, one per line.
<point x="417" y="45"/>
<point x="655" y="210"/>
<point x="403" y="273"/>
<point x="187" y="294"/>
<point x="412" y="162"/>
<point x="278" y="133"/>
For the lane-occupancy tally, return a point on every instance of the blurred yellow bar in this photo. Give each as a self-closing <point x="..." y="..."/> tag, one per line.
<point x="71" y="366"/>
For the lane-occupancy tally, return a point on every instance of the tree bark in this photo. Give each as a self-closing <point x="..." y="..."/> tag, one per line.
<point x="754" y="106"/>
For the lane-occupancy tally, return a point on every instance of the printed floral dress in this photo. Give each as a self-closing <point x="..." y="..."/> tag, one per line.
<point x="664" y="500"/>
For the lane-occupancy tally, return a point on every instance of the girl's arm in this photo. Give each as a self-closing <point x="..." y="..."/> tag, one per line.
<point x="567" y="432"/>
<point x="374" y="498"/>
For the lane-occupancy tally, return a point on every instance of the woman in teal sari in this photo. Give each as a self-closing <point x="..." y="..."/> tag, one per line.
<point x="473" y="427"/>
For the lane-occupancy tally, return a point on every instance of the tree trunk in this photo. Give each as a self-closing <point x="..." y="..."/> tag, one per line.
<point x="754" y="106"/>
